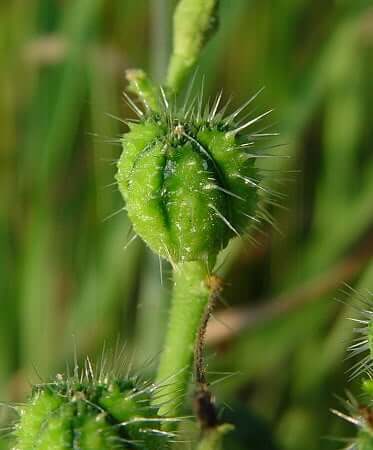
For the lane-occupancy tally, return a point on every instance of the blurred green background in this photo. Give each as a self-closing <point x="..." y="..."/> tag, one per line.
<point x="66" y="281"/>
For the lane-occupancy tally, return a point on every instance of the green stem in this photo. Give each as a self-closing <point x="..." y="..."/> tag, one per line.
<point x="194" y="23"/>
<point x="190" y="297"/>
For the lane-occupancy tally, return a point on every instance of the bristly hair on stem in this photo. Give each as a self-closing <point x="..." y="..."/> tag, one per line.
<point x="204" y="406"/>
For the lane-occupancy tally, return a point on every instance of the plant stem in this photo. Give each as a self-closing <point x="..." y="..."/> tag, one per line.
<point x="190" y="297"/>
<point x="194" y="23"/>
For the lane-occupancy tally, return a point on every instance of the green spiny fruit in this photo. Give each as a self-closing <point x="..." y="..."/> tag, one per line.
<point x="364" y="441"/>
<point x="363" y="343"/>
<point x="189" y="179"/>
<point x="360" y="414"/>
<point x="91" y="413"/>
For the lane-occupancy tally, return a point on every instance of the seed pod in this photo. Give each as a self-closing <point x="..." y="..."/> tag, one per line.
<point x="364" y="441"/>
<point x="360" y="413"/>
<point x="363" y="343"/>
<point x="90" y="414"/>
<point x="189" y="179"/>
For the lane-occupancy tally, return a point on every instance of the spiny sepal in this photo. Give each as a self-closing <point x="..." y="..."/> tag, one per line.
<point x="189" y="179"/>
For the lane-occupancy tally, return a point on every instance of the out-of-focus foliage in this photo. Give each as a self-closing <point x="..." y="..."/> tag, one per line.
<point x="66" y="281"/>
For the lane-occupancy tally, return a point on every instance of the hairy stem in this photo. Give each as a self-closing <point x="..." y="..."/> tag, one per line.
<point x="194" y="22"/>
<point x="190" y="297"/>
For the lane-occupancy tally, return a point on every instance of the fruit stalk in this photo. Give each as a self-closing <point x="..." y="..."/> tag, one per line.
<point x="190" y="297"/>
